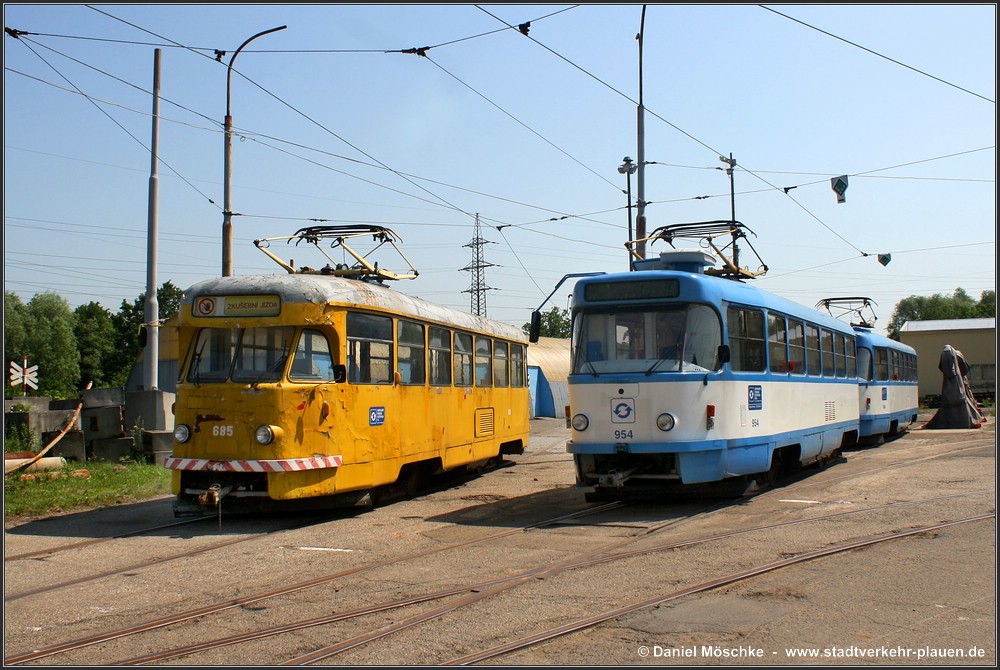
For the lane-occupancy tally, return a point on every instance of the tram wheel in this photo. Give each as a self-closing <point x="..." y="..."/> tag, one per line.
<point x="412" y="479"/>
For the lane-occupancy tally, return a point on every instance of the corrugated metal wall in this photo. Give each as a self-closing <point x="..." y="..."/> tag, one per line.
<point x="550" y="394"/>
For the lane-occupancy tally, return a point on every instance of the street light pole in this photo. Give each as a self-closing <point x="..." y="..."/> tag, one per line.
<point x="731" y="162"/>
<point x="227" y="209"/>
<point x="640" y="207"/>
<point x="627" y="168"/>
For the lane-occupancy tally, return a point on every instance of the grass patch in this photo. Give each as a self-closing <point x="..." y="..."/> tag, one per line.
<point x="69" y="489"/>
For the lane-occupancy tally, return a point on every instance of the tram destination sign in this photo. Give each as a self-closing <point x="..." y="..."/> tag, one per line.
<point x="632" y="290"/>
<point x="237" y="305"/>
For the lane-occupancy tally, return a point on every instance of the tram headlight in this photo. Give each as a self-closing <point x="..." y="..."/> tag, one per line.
<point x="182" y="433"/>
<point x="264" y="434"/>
<point x="666" y="422"/>
<point x="580" y="422"/>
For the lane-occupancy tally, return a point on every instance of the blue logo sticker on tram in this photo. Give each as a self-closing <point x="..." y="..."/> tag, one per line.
<point x="376" y="416"/>
<point x="622" y="410"/>
<point x="885" y="393"/>
<point x="755" y="396"/>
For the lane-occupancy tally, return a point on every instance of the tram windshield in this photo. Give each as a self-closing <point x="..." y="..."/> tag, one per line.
<point x="246" y="355"/>
<point x="664" y="338"/>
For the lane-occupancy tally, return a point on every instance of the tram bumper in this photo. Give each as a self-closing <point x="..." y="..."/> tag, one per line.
<point x="695" y="462"/>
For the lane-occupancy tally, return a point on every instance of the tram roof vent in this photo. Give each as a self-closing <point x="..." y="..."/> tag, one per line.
<point x="682" y="260"/>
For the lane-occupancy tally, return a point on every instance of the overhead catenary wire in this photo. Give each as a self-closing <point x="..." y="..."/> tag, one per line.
<point x="540" y="224"/>
<point x="875" y="53"/>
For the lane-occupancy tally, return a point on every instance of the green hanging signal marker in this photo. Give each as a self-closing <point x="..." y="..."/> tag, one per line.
<point x="839" y="186"/>
<point x="884" y="259"/>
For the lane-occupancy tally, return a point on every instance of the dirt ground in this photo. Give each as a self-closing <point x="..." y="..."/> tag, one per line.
<point x="927" y="599"/>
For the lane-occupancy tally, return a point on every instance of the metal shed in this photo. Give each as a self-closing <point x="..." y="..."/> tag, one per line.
<point x="975" y="338"/>
<point x="548" y="368"/>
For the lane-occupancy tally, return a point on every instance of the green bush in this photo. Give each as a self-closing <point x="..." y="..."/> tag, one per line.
<point x="20" y="438"/>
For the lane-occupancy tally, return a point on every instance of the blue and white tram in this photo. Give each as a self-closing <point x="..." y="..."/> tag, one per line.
<point x="680" y="377"/>
<point x="887" y="384"/>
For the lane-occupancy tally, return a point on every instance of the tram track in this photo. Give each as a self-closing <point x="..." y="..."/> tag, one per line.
<point x="463" y="595"/>
<point x="715" y="583"/>
<point x="601" y="556"/>
<point x="86" y="543"/>
<point x="241" y="602"/>
<point x="476" y="592"/>
<point x="145" y="564"/>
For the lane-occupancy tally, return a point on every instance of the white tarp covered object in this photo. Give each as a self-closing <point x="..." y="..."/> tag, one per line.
<point x="959" y="408"/>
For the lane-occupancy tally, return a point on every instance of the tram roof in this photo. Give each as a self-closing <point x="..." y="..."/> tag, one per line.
<point x="868" y="337"/>
<point x="329" y="289"/>
<point x="716" y="289"/>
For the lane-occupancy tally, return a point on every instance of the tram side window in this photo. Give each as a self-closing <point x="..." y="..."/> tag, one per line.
<point x="865" y="369"/>
<point x="840" y="353"/>
<point x="463" y="359"/>
<point x="262" y="354"/>
<point x="410" y="353"/>
<point x="893" y="364"/>
<point x="439" y="341"/>
<point x="312" y="361"/>
<point x="517" y="369"/>
<point x="852" y="362"/>
<point x="796" y="347"/>
<point x="826" y="341"/>
<point x="881" y="364"/>
<point x="812" y="350"/>
<point x="484" y="358"/>
<point x="369" y="348"/>
<point x="777" y="343"/>
<point x="501" y="377"/>
<point x="746" y="339"/>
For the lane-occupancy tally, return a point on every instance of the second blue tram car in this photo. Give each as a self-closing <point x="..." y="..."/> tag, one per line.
<point x="887" y="383"/>
<point x="681" y="377"/>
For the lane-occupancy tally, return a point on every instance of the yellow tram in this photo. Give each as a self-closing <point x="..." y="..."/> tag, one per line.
<point x="318" y="388"/>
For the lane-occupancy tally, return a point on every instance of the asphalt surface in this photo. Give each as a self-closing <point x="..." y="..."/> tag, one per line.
<point x="925" y="599"/>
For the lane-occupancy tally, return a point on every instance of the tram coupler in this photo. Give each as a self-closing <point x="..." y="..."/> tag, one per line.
<point x="214" y="495"/>
<point x="614" y="479"/>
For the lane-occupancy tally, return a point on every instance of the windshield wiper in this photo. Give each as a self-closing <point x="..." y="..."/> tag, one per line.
<point x="196" y="363"/>
<point x="680" y="363"/>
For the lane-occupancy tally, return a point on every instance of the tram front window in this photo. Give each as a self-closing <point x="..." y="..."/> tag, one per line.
<point x="681" y="338"/>
<point x="245" y="355"/>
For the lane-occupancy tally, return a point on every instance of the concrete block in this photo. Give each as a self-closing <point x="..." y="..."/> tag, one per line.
<point x="105" y="397"/>
<point x="112" y="449"/>
<point x="37" y="404"/>
<point x="39" y="423"/>
<point x="102" y="422"/>
<point x="72" y="446"/>
<point x="158" y="445"/>
<point x="149" y="410"/>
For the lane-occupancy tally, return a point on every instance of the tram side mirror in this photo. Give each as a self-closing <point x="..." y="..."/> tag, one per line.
<point x="536" y="326"/>
<point x="339" y="374"/>
<point x="724" y="354"/>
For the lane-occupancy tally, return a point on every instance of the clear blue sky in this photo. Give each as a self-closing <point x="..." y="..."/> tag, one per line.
<point x="337" y="125"/>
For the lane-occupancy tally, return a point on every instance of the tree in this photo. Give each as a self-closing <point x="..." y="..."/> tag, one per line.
<point x="15" y="334"/>
<point x="51" y="344"/>
<point x="555" y="323"/>
<point x="95" y="336"/>
<point x="128" y="323"/>
<point x="931" y="308"/>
